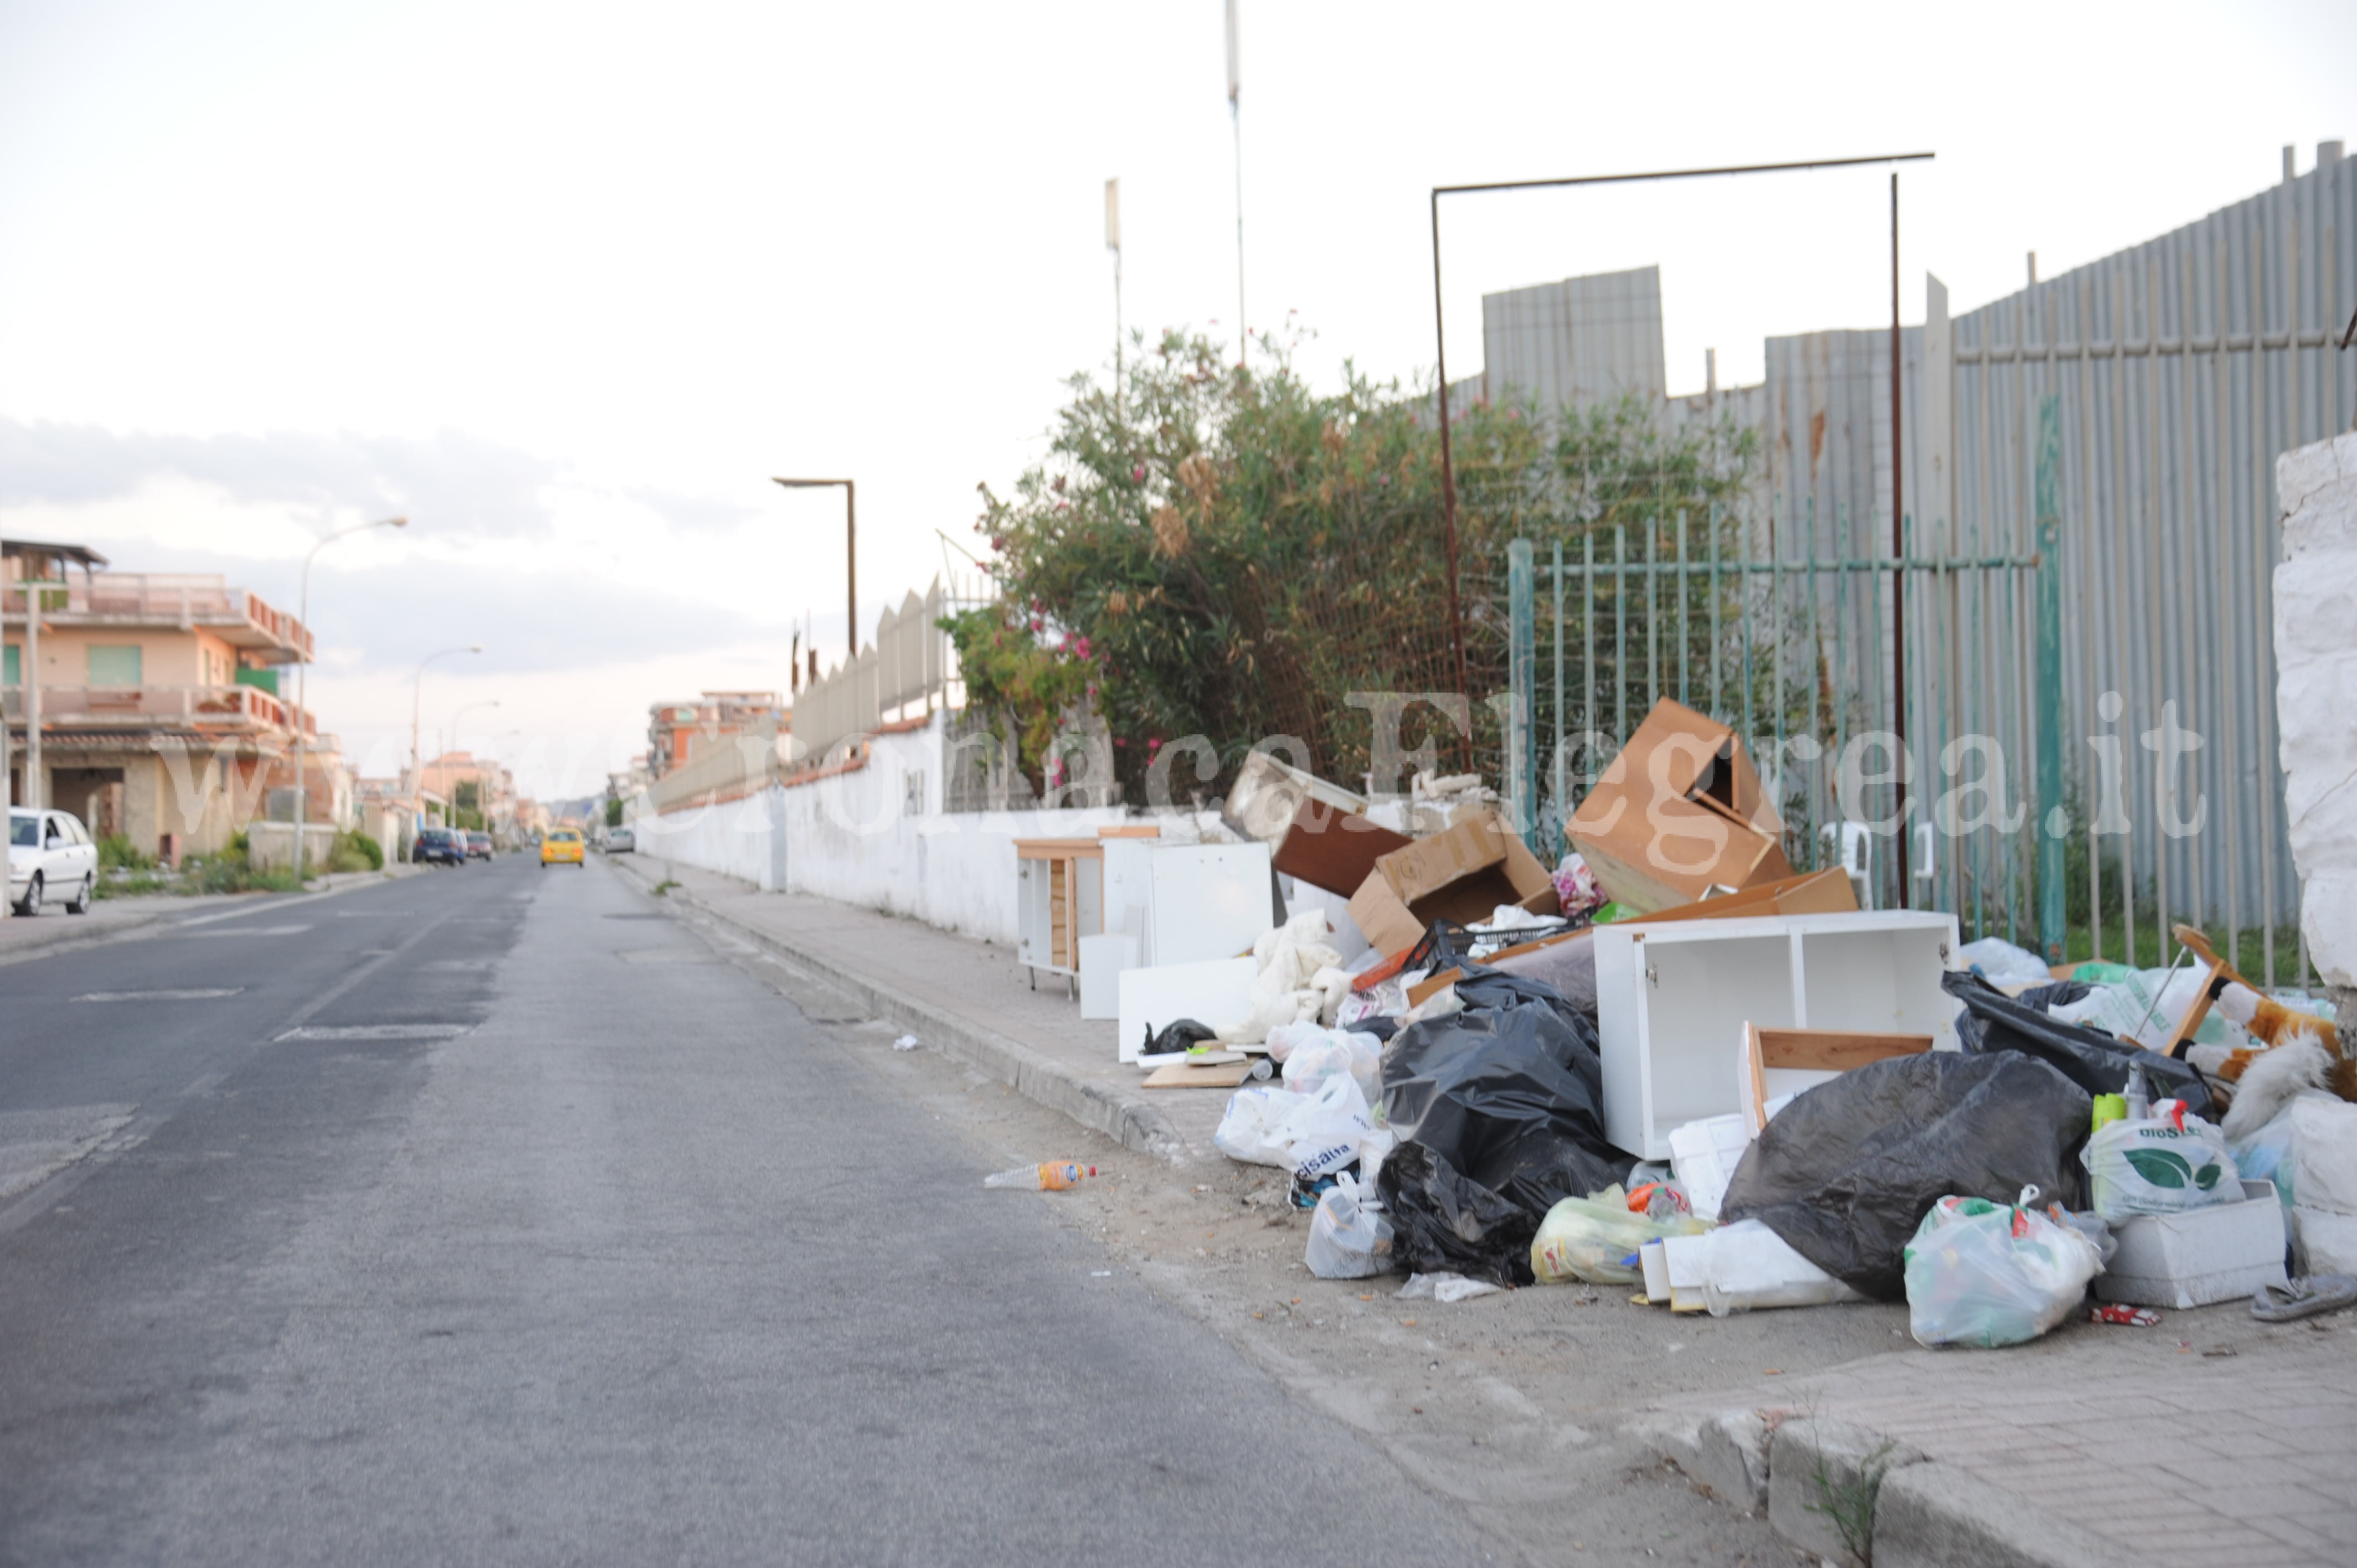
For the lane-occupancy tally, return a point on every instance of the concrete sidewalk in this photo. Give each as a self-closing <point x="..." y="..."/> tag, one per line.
<point x="969" y="998"/>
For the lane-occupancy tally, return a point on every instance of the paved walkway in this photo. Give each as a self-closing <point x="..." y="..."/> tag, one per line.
<point x="978" y="981"/>
<point x="2210" y="1439"/>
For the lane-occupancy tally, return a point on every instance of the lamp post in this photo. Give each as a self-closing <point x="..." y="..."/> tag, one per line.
<point x="416" y="694"/>
<point x="303" y="677"/>
<point x="850" y="546"/>
<point x="449" y="738"/>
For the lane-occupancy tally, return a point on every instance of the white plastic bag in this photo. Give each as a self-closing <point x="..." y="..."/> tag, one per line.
<point x="2002" y="964"/>
<point x="1444" y="1287"/>
<point x="1324" y="1131"/>
<point x="2322" y="1164"/>
<point x="1982" y="1273"/>
<point x="1594" y="1239"/>
<point x="2158" y="1167"/>
<point x="1748" y="1266"/>
<point x="1249" y="1129"/>
<point x="1317" y="1055"/>
<point x="1349" y="1238"/>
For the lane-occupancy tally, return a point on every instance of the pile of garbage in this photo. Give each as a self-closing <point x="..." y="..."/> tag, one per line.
<point x="1729" y="1089"/>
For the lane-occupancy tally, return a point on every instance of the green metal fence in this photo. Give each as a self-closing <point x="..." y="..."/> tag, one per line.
<point x="1791" y="641"/>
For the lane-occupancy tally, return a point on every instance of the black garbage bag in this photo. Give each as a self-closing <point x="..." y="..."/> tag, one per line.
<point x="2095" y="1061"/>
<point x="1445" y="1222"/>
<point x="1499" y="1113"/>
<point x="1847" y="1172"/>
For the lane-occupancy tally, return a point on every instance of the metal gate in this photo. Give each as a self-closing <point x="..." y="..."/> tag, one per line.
<point x="1790" y="643"/>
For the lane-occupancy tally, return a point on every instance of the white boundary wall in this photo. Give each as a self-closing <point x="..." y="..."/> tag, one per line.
<point x="875" y="836"/>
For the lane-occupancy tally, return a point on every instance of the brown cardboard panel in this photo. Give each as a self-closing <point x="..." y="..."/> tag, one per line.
<point x="1826" y="892"/>
<point x="1461" y="874"/>
<point x="1193" y="1075"/>
<point x="1679" y="811"/>
<point x="1334" y="850"/>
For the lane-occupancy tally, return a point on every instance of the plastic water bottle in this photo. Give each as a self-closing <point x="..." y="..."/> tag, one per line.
<point x="1053" y="1176"/>
<point x="2140" y="1096"/>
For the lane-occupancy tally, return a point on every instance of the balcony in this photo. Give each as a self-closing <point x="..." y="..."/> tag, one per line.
<point x="181" y="600"/>
<point x="234" y="710"/>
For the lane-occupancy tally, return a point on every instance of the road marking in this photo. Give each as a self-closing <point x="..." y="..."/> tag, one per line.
<point x="160" y="995"/>
<point x="253" y="931"/>
<point x="376" y="1031"/>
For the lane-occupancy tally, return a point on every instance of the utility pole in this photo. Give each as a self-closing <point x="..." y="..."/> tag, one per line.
<point x="1236" y="119"/>
<point x="302" y="682"/>
<point x="1112" y="243"/>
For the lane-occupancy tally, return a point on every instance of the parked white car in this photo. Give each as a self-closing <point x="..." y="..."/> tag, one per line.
<point x="51" y="854"/>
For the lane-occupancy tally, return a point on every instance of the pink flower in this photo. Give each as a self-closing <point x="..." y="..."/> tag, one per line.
<point x="1154" y="745"/>
<point x="1138" y="475"/>
<point x="1039" y="625"/>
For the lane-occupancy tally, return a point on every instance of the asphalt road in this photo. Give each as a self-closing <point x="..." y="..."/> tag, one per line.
<point x="490" y="1218"/>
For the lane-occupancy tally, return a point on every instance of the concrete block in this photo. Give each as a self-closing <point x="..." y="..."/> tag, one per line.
<point x="1937" y="1516"/>
<point x="1671" y="1435"/>
<point x="1822" y="1471"/>
<point x="1732" y="1458"/>
<point x="2306" y="476"/>
<point x="2328" y="916"/>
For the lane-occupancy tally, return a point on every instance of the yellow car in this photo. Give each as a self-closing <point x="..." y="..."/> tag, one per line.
<point x="560" y="846"/>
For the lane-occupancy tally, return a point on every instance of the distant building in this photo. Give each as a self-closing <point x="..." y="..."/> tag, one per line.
<point x="678" y="733"/>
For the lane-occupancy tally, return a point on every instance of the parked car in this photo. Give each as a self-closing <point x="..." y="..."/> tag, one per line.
<point x="562" y="846"/>
<point x="620" y="840"/>
<point x="479" y="845"/>
<point x="50" y="854"/>
<point x="439" y="846"/>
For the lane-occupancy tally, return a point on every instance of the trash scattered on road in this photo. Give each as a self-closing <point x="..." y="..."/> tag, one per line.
<point x="905" y="1043"/>
<point x="1055" y="1176"/>
<point x="1350" y="1236"/>
<point x="2126" y="1317"/>
<point x="1443" y="1288"/>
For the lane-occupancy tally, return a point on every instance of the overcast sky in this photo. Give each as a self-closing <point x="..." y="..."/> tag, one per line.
<point x="568" y="283"/>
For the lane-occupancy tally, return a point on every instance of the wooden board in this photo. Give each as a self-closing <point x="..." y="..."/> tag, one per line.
<point x="1813" y="1050"/>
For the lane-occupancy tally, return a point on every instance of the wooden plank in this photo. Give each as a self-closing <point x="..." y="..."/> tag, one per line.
<point x="1830" y="1051"/>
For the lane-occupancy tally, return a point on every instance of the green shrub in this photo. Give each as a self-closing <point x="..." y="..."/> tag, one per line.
<point x="115" y="851"/>
<point x="355" y="851"/>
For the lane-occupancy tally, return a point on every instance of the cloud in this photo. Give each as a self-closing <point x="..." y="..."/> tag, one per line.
<point x="696" y="513"/>
<point x="466" y="484"/>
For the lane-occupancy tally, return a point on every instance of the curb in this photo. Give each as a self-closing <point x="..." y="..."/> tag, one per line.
<point x="1926" y="1514"/>
<point x="1127" y="1120"/>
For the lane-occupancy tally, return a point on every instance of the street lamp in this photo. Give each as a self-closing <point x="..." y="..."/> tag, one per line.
<point x="850" y="545"/>
<point x="303" y="677"/>
<point x="449" y="737"/>
<point x="416" y="694"/>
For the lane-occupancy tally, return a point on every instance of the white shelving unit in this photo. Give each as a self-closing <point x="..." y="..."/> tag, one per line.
<point x="1672" y="1000"/>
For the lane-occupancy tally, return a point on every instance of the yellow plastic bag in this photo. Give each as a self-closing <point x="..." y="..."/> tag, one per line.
<point x="1594" y="1239"/>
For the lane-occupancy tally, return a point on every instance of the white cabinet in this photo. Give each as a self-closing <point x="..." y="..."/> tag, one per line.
<point x="1187" y="903"/>
<point x="1672" y="1000"/>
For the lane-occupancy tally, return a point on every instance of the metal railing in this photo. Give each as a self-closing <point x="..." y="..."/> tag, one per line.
<point x="243" y="708"/>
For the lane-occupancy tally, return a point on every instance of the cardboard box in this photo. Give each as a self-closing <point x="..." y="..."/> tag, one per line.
<point x="1826" y="892"/>
<point x="1678" y="814"/>
<point x="2223" y="1252"/>
<point x="1462" y="874"/>
<point x="1334" y="850"/>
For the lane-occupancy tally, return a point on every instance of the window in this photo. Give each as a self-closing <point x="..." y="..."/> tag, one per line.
<point x="116" y="664"/>
<point x="24" y="829"/>
<point x="12" y="671"/>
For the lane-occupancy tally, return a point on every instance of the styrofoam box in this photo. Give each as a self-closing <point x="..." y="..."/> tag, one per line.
<point x="2323" y="1242"/>
<point x="2223" y="1252"/>
<point x="1672" y="1000"/>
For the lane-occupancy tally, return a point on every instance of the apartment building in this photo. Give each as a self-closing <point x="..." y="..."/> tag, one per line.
<point x="157" y="712"/>
<point x="679" y="733"/>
